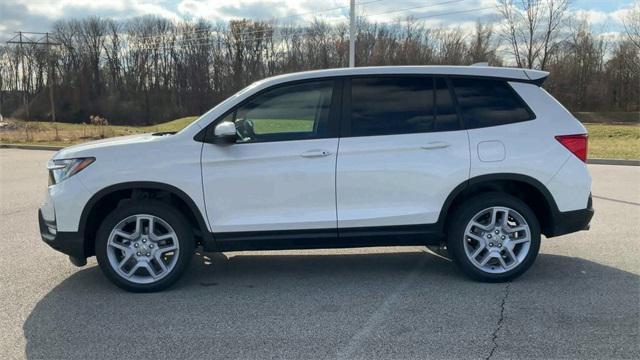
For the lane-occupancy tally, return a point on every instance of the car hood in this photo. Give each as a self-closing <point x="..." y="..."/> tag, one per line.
<point x="92" y="147"/>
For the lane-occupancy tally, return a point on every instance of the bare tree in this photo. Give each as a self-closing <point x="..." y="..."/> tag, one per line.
<point x="482" y="47"/>
<point x="532" y="28"/>
<point x="149" y="69"/>
<point x="632" y="23"/>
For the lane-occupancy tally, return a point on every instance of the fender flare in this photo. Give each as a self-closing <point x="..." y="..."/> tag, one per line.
<point x="102" y="193"/>
<point x="458" y="190"/>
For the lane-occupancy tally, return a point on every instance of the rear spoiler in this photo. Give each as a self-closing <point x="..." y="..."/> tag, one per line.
<point x="536" y="77"/>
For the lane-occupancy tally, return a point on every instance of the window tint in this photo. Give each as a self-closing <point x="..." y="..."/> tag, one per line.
<point x="289" y="112"/>
<point x="391" y="105"/>
<point x="489" y="103"/>
<point x="401" y="105"/>
<point x="447" y="116"/>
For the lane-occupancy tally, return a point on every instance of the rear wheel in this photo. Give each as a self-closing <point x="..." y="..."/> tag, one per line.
<point x="494" y="237"/>
<point x="144" y="245"/>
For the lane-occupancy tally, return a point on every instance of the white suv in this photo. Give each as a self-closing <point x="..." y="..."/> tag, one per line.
<point x="481" y="160"/>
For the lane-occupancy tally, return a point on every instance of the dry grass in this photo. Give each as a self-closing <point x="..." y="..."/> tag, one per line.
<point x="614" y="141"/>
<point x="63" y="134"/>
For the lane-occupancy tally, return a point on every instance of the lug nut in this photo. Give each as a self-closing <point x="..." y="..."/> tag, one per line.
<point x="136" y="245"/>
<point x="490" y="244"/>
<point x="488" y="236"/>
<point x="150" y="246"/>
<point x="497" y="232"/>
<point x="144" y="240"/>
<point x="503" y="237"/>
<point x="499" y="245"/>
<point x="147" y="254"/>
<point x="138" y="253"/>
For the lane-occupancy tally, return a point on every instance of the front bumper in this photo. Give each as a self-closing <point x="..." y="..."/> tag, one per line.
<point x="571" y="221"/>
<point x="70" y="243"/>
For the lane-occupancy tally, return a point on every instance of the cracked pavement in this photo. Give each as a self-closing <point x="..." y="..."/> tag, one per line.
<point x="494" y="336"/>
<point x="581" y="299"/>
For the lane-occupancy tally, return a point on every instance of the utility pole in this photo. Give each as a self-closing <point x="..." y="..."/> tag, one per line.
<point x="352" y="34"/>
<point x="23" y="38"/>
<point x="51" y="84"/>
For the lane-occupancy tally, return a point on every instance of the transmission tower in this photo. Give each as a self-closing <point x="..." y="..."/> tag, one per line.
<point x="23" y="38"/>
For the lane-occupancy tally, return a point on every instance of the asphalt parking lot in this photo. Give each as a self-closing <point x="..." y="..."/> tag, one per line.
<point x="580" y="300"/>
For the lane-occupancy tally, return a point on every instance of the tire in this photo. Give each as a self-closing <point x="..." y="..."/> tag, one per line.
<point x="124" y="237"/>
<point x="508" y="250"/>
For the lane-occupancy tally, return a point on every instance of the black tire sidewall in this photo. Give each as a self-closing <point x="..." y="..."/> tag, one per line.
<point x="152" y="207"/>
<point x="464" y="213"/>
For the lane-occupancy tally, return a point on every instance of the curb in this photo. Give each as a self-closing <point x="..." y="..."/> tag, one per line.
<point x="30" y="147"/>
<point x="614" y="162"/>
<point x="622" y="162"/>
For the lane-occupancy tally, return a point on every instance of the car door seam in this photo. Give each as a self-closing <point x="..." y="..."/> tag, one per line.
<point x="204" y="197"/>
<point x="335" y="185"/>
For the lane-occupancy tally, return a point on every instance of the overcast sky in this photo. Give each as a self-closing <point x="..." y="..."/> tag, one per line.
<point x="38" y="15"/>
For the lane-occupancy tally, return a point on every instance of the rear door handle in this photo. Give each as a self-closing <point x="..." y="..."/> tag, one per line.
<point x="315" y="153"/>
<point x="435" y="145"/>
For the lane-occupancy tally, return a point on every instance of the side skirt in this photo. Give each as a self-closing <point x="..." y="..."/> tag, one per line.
<point x="405" y="235"/>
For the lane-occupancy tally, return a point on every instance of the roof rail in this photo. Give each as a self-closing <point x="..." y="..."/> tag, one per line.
<point x="480" y="64"/>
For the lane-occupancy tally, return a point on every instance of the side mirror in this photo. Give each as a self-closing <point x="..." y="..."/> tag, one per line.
<point x="225" y="132"/>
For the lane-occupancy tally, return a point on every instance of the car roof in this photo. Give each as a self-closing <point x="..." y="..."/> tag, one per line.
<point x="514" y="74"/>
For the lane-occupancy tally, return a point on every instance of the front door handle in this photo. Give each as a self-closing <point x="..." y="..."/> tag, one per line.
<point x="315" y="153"/>
<point x="435" y="145"/>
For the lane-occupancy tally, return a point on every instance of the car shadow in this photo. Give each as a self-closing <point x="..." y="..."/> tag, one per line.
<point x="310" y="305"/>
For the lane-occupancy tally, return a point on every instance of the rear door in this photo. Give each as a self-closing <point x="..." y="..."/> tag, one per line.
<point x="402" y="151"/>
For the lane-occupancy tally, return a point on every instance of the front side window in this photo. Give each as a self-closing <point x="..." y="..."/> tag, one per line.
<point x="401" y="105"/>
<point x="289" y="112"/>
<point x="487" y="102"/>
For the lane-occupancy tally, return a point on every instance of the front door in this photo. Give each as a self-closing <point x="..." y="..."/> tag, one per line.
<point x="280" y="173"/>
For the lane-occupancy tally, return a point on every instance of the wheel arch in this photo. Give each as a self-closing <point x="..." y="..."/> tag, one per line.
<point x="108" y="198"/>
<point x="524" y="187"/>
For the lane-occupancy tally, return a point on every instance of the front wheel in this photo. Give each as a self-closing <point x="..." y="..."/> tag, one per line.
<point x="144" y="245"/>
<point x="494" y="237"/>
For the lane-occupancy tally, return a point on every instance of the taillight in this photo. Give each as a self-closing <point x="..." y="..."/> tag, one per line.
<point x="577" y="144"/>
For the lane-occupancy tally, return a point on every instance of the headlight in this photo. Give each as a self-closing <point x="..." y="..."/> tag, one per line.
<point x="65" y="168"/>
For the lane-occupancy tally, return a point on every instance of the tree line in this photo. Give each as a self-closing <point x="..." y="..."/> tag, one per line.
<point x="147" y="70"/>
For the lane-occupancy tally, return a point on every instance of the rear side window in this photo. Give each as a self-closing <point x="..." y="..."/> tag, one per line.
<point x="446" y="114"/>
<point x="400" y="105"/>
<point x="489" y="103"/>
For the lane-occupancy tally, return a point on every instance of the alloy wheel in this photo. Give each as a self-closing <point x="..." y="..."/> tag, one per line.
<point x="143" y="248"/>
<point x="497" y="239"/>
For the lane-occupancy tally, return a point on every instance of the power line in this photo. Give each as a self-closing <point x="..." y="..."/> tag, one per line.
<point x="185" y="42"/>
<point x="202" y="41"/>
<point x="156" y="39"/>
<point x="453" y="12"/>
<point x="160" y="37"/>
<point x="187" y="45"/>
<point x="330" y="9"/>
<point x="280" y="18"/>
<point x="182" y="41"/>
<point x="416" y="7"/>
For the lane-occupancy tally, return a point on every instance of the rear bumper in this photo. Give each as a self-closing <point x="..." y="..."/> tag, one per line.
<point x="571" y="221"/>
<point x="70" y="243"/>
